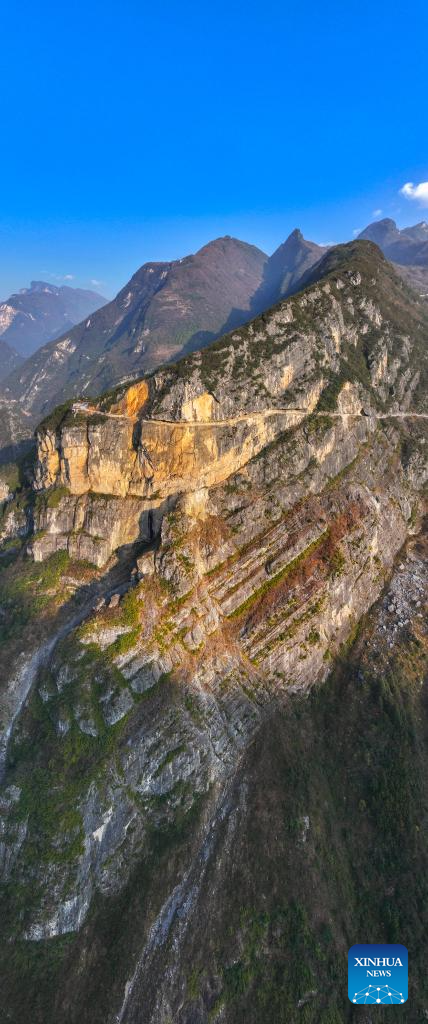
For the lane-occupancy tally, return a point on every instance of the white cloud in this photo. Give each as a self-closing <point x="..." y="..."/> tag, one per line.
<point x="377" y="213"/>
<point x="417" y="192"/>
<point x="95" y="282"/>
<point x="357" y="231"/>
<point x="58" y="277"/>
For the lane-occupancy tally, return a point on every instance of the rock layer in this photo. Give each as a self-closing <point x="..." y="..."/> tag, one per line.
<point x="259" y="493"/>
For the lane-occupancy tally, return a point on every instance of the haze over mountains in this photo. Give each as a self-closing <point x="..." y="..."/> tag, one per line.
<point x="407" y="248"/>
<point x="29" y="318"/>
<point x="43" y="311"/>
<point x="164" y="311"/>
<point x="10" y="359"/>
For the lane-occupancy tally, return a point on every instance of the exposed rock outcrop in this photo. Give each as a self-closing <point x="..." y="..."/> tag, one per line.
<point x="261" y="491"/>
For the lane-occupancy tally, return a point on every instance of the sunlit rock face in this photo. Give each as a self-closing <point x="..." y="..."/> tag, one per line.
<point x="235" y="517"/>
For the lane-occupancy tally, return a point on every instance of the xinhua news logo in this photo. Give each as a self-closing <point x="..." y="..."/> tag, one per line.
<point x="378" y="973"/>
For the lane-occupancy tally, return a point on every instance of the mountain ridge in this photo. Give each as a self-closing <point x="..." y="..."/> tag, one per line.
<point x="404" y="247"/>
<point x="213" y="653"/>
<point x="38" y="314"/>
<point x="169" y="308"/>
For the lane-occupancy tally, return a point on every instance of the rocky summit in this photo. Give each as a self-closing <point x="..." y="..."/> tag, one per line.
<point x="213" y="601"/>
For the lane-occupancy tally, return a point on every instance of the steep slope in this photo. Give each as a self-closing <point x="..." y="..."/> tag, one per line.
<point x="419" y="231"/>
<point x="164" y="308"/>
<point x="42" y="312"/>
<point x="16" y="429"/>
<point x="206" y="542"/>
<point x="285" y="269"/>
<point x="416" y="277"/>
<point x="9" y="359"/>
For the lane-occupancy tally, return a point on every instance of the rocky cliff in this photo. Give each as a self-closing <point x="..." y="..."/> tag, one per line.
<point x="238" y="515"/>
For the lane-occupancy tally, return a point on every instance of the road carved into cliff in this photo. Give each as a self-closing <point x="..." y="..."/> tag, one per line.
<point x="256" y="414"/>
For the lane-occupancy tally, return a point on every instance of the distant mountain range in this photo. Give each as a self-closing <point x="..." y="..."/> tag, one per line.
<point x="166" y="310"/>
<point x="42" y="312"/>
<point x="407" y="248"/>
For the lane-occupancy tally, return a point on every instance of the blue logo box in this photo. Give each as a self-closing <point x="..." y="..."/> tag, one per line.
<point x="378" y="973"/>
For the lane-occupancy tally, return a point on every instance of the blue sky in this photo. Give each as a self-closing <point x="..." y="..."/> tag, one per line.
<point x="134" y="131"/>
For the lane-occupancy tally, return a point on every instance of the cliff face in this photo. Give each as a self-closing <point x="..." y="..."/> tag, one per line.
<point x="244" y="510"/>
<point x="192" y="426"/>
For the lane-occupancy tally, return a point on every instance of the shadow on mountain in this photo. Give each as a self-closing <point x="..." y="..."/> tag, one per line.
<point x="19" y="452"/>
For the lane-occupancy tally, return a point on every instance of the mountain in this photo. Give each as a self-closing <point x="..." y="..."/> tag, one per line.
<point x="416" y="277"/>
<point x="407" y="247"/>
<point x="285" y="269"/>
<point x="419" y="231"/>
<point x="10" y="359"/>
<point x="164" y="310"/>
<point x="41" y="312"/>
<point x="16" y="429"/>
<point x="214" y="728"/>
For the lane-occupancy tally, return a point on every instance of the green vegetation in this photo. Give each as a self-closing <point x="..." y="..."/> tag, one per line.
<point x="337" y="562"/>
<point x="10" y="475"/>
<point x="130" y="609"/>
<point x="50" y="498"/>
<point x="27" y="589"/>
<point x="123" y="643"/>
<point x="316" y="426"/>
<point x="52" y="768"/>
<point x="272" y="581"/>
<point x="54" y="420"/>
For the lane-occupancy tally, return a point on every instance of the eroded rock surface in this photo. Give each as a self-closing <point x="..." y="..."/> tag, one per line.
<point x="257" y="499"/>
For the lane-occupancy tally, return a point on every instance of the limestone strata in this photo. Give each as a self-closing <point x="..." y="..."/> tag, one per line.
<point x="256" y="584"/>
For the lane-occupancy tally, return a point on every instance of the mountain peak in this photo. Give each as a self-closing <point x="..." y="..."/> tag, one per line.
<point x="408" y="247"/>
<point x="387" y="222"/>
<point x="228" y="243"/>
<point x="41" y="286"/>
<point x="285" y="268"/>
<point x="418" y="232"/>
<point x="381" y="231"/>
